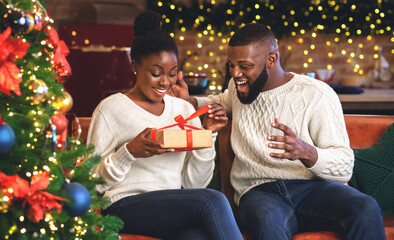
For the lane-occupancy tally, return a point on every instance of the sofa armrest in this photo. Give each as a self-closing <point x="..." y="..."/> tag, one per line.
<point x="80" y="127"/>
<point x="226" y="155"/>
<point x="366" y="130"/>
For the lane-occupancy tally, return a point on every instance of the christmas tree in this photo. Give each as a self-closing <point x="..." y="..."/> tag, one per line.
<point x="46" y="189"/>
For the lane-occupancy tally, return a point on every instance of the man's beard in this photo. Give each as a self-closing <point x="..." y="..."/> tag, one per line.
<point x="255" y="88"/>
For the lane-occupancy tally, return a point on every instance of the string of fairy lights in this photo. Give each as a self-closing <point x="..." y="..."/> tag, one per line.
<point x="344" y="22"/>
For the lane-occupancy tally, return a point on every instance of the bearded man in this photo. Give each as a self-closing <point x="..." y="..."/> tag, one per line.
<point x="292" y="152"/>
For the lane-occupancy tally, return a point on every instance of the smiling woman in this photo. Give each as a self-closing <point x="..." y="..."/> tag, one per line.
<point x="155" y="76"/>
<point x="157" y="191"/>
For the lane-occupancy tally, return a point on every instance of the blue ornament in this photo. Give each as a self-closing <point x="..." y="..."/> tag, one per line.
<point x="80" y="199"/>
<point x="7" y="138"/>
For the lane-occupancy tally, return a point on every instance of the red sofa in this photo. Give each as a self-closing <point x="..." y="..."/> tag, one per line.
<point x="363" y="132"/>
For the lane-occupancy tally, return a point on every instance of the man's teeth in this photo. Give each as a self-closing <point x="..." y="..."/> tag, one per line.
<point x="241" y="82"/>
<point x="160" y="90"/>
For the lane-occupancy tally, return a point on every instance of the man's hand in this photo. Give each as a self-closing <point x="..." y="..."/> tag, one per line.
<point x="181" y="90"/>
<point x="143" y="147"/>
<point x="216" y="118"/>
<point x="293" y="147"/>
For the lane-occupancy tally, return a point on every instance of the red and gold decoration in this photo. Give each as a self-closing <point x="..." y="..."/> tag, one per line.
<point x="40" y="202"/>
<point x="10" y="50"/>
<point x="61" y="65"/>
<point x="63" y="74"/>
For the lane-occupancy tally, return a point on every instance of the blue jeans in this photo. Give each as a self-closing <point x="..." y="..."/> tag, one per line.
<point x="190" y="214"/>
<point x="278" y="210"/>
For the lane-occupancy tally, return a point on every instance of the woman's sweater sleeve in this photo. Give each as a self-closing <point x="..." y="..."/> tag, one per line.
<point x="328" y="132"/>
<point x="115" y="161"/>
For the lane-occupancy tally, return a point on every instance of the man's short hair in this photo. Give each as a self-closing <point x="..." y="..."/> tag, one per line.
<point x="253" y="33"/>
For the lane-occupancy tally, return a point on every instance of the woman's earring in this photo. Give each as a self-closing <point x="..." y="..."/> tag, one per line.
<point x="135" y="73"/>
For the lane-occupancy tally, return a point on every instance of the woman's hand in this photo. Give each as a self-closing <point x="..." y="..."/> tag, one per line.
<point x="216" y="118"/>
<point x="142" y="145"/>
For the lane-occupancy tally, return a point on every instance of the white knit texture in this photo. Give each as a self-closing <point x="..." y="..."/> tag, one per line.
<point x="116" y="121"/>
<point x="311" y="109"/>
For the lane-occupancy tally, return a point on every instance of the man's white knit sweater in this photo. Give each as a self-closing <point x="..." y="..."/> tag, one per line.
<point x="310" y="108"/>
<point x="116" y="121"/>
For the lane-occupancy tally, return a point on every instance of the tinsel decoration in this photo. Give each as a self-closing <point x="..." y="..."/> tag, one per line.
<point x="61" y="65"/>
<point x="63" y="74"/>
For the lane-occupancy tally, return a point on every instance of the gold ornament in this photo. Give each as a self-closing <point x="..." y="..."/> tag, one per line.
<point x="63" y="104"/>
<point x="38" y="90"/>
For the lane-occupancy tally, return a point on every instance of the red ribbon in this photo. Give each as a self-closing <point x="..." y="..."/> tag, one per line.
<point x="181" y="123"/>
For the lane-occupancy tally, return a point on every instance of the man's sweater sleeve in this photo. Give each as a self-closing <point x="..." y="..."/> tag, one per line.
<point x="328" y="132"/>
<point x="223" y="99"/>
<point x="115" y="161"/>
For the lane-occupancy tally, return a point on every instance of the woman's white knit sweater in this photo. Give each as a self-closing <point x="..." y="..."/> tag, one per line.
<point x="311" y="109"/>
<point x="116" y="121"/>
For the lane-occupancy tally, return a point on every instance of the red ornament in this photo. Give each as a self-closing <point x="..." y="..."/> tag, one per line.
<point x="10" y="50"/>
<point x="40" y="202"/>
<point x="61" y="123"/>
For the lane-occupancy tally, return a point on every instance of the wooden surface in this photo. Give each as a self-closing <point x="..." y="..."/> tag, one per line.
<point x="371" y="99"/>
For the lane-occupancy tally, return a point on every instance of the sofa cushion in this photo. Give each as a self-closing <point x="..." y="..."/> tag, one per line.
<point x="373" y="172"/>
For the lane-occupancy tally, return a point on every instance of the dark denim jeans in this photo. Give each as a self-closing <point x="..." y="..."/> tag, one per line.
<point x="278" y="210"/>
<point x="188" y="214"/>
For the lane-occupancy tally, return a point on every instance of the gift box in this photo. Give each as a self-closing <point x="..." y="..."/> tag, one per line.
<point x="184" y="138"/>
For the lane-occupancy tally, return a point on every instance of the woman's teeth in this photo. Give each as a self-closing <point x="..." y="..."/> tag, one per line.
<point x="160" y="90"/>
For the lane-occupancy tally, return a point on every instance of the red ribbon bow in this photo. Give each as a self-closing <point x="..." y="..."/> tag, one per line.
<point x="181" y="123"/>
